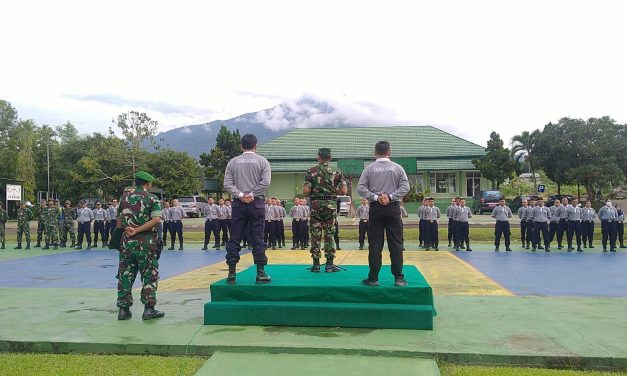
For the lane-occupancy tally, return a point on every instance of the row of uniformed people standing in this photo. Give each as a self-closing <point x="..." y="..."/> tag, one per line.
<point x="217" y="219"/>
<point x="300" y="223"/>
<point x="458" y="229"/>
<point x="274" y="228"/>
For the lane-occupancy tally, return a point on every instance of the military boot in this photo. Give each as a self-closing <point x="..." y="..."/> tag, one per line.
<point x="125" y="313"/>
<point x="467" y="247"/>
<point x="88" y="246"/>
<point x="2" y="247"/>
<point x="330" y="267"/>
<point x="19" y="246"/>
<point x="315" y="268"/>
<point x="230" y="278"/>
<point x="151" y="313"/>
<point x="27" y="245"/>
<point x="262" y="277"/>
<point x="46" y="246"/>
<point x="55" y="246"/>
<point x="38" y="245"/>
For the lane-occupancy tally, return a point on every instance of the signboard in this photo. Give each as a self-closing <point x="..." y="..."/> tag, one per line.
<point x="14" y="192"/>
<point x="541" y="188"/>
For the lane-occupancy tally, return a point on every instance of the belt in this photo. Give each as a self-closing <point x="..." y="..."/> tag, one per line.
<point x="503" y="221"/>
<point x="324" y="198"/>
<point x="363" y="220"/>
<point x="99" y="220"/>
<point x="176" y="220"/>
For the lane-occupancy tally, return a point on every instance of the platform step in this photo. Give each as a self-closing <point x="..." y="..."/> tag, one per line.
<point x="237" y="364"/>
<point x="320" y="314"/>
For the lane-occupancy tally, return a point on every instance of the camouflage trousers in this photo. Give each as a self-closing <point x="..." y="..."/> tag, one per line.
<point x="23" y="229"/>
<point x="3" y="233"/>
<point x="40" y="230"/>
<point x="52" y="234"/>
<point x="137" y="256"/>
<point x="68" y="228"/>
<point x="322" y="223"/>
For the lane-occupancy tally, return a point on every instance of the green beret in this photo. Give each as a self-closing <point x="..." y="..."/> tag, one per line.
<point x="324" y="152"/>
<point x="143" y="175"/>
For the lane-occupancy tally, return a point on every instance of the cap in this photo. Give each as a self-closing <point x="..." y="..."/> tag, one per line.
<point x="67" y="202"/>
<point x="98" y="203"/>
<point x="83" y="202"/>
<point x="143" y="175"/>
<point x="324" y="152"/>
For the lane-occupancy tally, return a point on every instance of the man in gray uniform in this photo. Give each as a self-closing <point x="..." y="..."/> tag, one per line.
<point x="384" y="183"/>
<point x="176" y="214"/>
<point x="211" y="224"/>
<point x="84" y="216"/>
<point x="422" y="224"/>
<point x="554" y="224"/>
<point x="269" y="228"/>
<point x="431" y="214"/>
<point x="573" y="216"/>
<point x="609" y="218"/>
<point x="560" y="212"/>
<point x="363" y="213"/>
<point x="165" y="219"/>
<point x="588" y="214"/>
<point x="296" y="212"/>
<point x="246" y="178"/>
<point x="461" y="214"/>
<point x="541" y="216"/>
<point x="100" y="218"/>
<point x="502" y="214"/>
<point x="222" y="215"/>
<point x="451" y="222"/>
<point x="112" y="214"/>
<point x="523" y="213"/>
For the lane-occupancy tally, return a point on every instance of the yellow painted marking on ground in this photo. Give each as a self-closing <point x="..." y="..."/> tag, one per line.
<point x="447" y="274"/>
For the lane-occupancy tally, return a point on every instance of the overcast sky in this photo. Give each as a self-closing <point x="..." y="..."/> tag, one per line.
<point x="469" y="67"/>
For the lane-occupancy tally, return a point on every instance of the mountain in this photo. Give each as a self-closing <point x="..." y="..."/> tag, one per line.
<point x="266" y="125"/>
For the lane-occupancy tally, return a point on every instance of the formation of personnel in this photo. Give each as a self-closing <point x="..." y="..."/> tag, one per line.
<point x="274" y="230"/>
<point x="300" y="216"/>
<point x="428" y="215"/>
<point x="363" y="213"/>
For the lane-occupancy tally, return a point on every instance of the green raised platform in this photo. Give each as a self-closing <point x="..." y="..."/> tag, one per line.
<point x="297" y="297"/>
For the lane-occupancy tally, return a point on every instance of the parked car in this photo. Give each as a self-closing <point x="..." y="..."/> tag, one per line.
<point x="552" y="199"/>
<point x="486" y="201"/>
<point x="193" y="205"/>
<point x="516" y="203"/>
<point x="345" y="204"/>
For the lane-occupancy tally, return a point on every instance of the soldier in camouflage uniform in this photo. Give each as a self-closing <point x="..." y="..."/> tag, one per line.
<point x="322" y="184"/>
<point x="139" y="213"/>
<point x="40" y="222"/>
<point x="57" y="203"/>
<point x="24" y="215"/>
<point x="69" y="215"/>
<point x="51" y="225"/>
<point x="4" y="217"/>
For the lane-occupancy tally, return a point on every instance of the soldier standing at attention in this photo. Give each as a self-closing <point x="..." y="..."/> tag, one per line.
<point x="296" y="212"/>
<point x="24" y="215"/>
<point x="608" y="216"/>
<point x="573" y="215"/>
<point x="363" y="212"/>
<point x="229" y="214"/>
<point x="69" y="215"/>
<point x="57" y="204"/>
<point x="523" y="213"/>
<point x="4" y="217"/>
<point x="554" y="223"/>
<point x="431" y="214"/>
<point x="541" y="217"/>
<point x="112" y="213"/>
<point x="563" y="221"/>
<point x="223" y="227"/>
<point x="451" y="222"/>
<point x="40" y="221"/>
<point x="587" y="215"/>
<point x="176" y="214"/>
<point x="100" y="217"/>
<point x="165" y="219"/>
<point x="269" y="231"/>
<point x="620" y="226"/>
<point x="502" y="214"/>
<point x="138" y="215"/>
<point x="51" y="225"/>
<point x="461" y="216"/>
<point x="276" y="218"/>
<point x="306" y="214"/>
<point x="422" y="224"/>
<point x="246" y="178"/>
<point x="531" y="223"/>
<point x="384" y="183"/>
<point x="322" y="184"/>
<point x="84" y="216"/>
<point x="281" y="223"/>
<point x="211" y="224"/>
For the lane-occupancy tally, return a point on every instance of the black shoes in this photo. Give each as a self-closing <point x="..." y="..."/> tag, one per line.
<point x="204" y="248"/>
<point x="171" y="248"/>
<point x="151" y="313"/>
<point x="230" y="278"/>
<point x="125" y="313"/>
<point x="508" y="249"/>
<point x="262" y="277"/>
<point x="47" y="246"/>
<point x="315" y="268"/>
<point x="331" y="268"/>
<point x="28" y="246"/>
<point x="370" y="282"/>
<point x="496" y="249"/>
<point x="19" y="246"/>
<point x="400" y="281"/>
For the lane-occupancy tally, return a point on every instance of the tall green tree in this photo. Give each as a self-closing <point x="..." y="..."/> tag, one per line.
<point x="497" y="164"/>
<point x="227" y="147"/>
<point x="138" y="130"/>
<point x="177" y="173"/>
<point x="45" y="147"/>
<point x="24" y="161"/>
<point x="523" y="149"/>
<point x="67" y="132"/>
<point x="8" y="151"/>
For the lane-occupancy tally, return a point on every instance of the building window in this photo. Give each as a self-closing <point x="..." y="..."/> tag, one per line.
<point x="416" y="181"/>
<point x="443" y="182"/>
<point x="473" y="184"/>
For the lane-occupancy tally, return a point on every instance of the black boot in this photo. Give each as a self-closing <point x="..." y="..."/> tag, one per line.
<point x="337" y="246"/>
<point x="125" y="313"/>
<point x="468" y="247"/>
<point x="46" y="246"/>
<point x="204" y="248"/>
<point x="230" y="278"/>
<point x="88" y="246"/>
<point x="180" y="246"/>
<point x="262" y="277"/>
<point x="315" y="268"/>
<point x="330" y="267"/>
<point x="19" y="246"/>
<point x="38" y="245"/>
<point x="2" y="247"/>
<point x="151" y="313"/>
<point x="27" y="245"/>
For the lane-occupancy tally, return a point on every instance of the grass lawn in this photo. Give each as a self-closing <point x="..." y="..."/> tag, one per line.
<point x="104" y="365"/>
<point x="458" y="370"/>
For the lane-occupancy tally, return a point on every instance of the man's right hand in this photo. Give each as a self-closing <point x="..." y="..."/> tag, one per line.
<point x="247" y="199"/>
<point x="384" y="199"/>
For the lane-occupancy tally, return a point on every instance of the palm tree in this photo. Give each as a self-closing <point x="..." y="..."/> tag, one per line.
<point x="523" y="146"/>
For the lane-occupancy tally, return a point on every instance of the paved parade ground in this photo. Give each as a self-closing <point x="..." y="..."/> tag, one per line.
<point x="522" y="308"/>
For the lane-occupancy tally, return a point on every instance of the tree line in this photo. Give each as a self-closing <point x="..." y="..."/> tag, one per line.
<point x="591" y="153"/>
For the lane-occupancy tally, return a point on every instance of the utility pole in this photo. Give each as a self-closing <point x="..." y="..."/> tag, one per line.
<point x="48" y="161"/>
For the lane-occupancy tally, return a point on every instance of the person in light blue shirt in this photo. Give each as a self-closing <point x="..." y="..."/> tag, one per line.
<point x="609" y="219"/>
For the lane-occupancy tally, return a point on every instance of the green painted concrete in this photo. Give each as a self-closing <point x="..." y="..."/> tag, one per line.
<point x="583" y="332"/>
<point x="264" y="364"/>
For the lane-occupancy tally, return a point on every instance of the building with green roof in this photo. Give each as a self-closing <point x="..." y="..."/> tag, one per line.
<point x="437" y="163"/>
